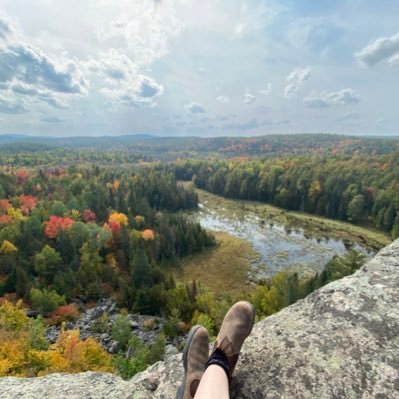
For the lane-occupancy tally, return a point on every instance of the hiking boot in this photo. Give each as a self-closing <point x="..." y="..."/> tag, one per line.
<point x="236" y="326"/>
<point x="195" y="355"/>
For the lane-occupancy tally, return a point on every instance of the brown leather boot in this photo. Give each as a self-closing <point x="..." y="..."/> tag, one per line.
<point x="195" y="355"/>
<point x="236" y="326"/>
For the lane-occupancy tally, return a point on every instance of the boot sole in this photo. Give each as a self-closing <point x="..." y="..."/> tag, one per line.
<point x="182" y="388"/>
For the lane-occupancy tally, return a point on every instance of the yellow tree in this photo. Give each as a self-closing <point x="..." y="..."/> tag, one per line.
<point x="8" y="247"/>
<point x="118" y="217"/>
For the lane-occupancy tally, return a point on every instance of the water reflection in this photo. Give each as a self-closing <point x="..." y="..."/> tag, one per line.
<point x="280" y="247"/>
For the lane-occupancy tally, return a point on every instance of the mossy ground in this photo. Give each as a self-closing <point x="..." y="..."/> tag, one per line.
<point x="225" y="267"/>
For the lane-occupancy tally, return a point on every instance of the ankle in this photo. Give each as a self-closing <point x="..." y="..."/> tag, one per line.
<point x="219" y="358"/>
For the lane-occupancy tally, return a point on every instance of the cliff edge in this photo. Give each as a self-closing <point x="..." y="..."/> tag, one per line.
<point x="342" y="341"/>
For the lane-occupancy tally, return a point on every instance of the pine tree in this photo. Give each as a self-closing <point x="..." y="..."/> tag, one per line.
<point x="141" y="275"/>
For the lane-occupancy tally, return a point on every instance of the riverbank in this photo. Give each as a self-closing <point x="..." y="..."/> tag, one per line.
<point x="314" y="226"/>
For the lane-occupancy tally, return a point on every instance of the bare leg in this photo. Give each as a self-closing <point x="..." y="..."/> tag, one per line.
<point x="214" y="384"/>
<point x="209" y="379"/>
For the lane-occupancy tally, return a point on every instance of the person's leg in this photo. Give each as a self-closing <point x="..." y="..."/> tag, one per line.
<point x="209" y="378"/>
<point x="195" y="356"/>
<point x="236" y="326"/>
<point x="214" y="384"/>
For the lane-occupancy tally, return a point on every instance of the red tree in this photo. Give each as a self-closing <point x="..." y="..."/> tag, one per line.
<point x="88" y="215"/>
<point x="4" y="206"/>
<point x="27" y="202"/>
<point x="56" y="224"/>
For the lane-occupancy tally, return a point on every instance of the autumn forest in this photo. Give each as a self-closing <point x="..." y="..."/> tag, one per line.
<point x="80" y="222"/>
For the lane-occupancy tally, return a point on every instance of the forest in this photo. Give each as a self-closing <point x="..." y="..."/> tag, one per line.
<point x="360" y="189"/>
<point x="89" y="232"/>
<point x="173" y="148"/>
<point x="83" y="224"/>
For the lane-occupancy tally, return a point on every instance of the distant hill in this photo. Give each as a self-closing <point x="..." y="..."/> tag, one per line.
<point x="170" y="148"/>
<point x="11" y="138"/>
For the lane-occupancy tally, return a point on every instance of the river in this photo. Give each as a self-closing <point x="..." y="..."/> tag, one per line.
<point x="279" y="248"/>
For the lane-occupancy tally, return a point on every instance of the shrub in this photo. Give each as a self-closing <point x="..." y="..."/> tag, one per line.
<point x="121" y="331"/>
<point x="127" y="367"/>
<point x="204" y="320"/>
<point x="36" y="334"/>
<point x="143" y="356"/>
<point x="157" y="349"/>
<point x="12" y="317"/>
<point x="62" y="314"/>
<point x="19" y="335"/>
<point x="71" y="354"/>
<point x="101" y="324"/>
<point x="45" y="301"/>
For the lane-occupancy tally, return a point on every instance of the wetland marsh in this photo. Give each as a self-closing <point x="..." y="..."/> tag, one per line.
<point x="284" y="240"/>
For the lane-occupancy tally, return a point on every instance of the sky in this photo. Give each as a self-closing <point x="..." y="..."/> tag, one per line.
<point x="204" y="68"/>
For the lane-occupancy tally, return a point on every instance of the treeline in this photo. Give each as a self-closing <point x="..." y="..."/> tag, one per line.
<point x="360" y="189"/>
<point x="93" y="233"/>
<point x="124" y="148"/>
<point x="29" y="155"/>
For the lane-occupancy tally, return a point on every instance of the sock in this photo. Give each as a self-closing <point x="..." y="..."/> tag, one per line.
<point x="219" y="358"/>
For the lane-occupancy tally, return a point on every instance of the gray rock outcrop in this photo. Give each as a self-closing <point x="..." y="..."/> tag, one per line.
<point x="97" y="322"/>
<point x="342" y="341"/>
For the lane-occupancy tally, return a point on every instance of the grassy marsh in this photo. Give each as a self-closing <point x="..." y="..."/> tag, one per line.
<point x="223" y="268"/>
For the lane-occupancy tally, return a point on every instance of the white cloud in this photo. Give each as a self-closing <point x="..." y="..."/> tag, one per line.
<point x="299" y="75"/>
<point x="10" y="106"/>
<point x="143" y="52"/>
<point x="116" y="76"/>
<point x="28" y="75"/>
<point x="239" y="29"/>
<point x="112" y="63"/>
<point x="394" y="61"/>
<point x="290" y="91"/>
<point x="140" y="91"/>
<point x="5" y="26"/>
<point x="145" y="27"/>
<point x="249" y="98"/>
<point x="195" y="108"/>
<point x="267" y="90"/>
<point x="382" y="49"/>
<point x="51" y="119"/>
<point x="296" y="79"/>
<point x="324" y="99"/>
<point x="47" y="96"/>
<point x="223" y="99"/>
<point x="28" y="64"/>
<point x="149" y="88"/>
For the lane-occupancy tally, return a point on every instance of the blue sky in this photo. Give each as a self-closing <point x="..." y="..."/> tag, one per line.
<point x="189" y="67"/>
